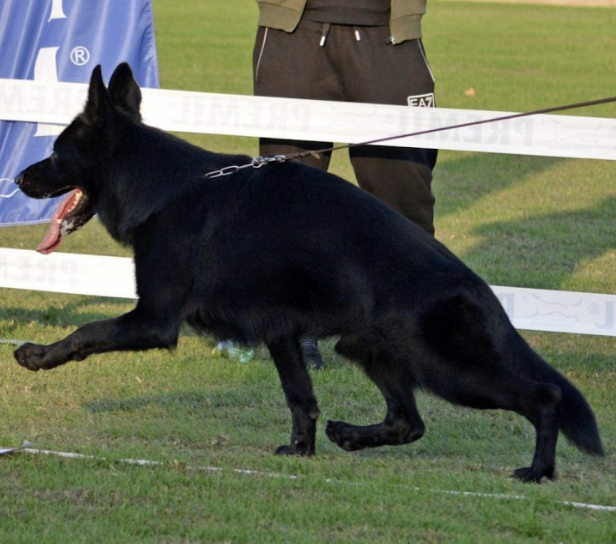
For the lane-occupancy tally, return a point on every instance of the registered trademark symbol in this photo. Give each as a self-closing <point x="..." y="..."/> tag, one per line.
<point x="594" y="309"/>
<point x="80" y="56"/>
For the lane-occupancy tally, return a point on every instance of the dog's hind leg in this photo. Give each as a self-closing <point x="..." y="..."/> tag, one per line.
<point x="537" y="402"/>
<point x="475" y="358"/>
<point x="299" y="394"/>
<point x="541" y="409"/>
<point x="489" y="385"/>
<point x="402" y="423"/>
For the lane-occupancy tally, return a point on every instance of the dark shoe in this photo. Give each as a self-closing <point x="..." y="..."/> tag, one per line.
<point x="312" y="356"/>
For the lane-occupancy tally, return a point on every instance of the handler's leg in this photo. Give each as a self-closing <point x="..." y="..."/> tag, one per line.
<point x="293" y="65"/>
<point x="383" y="73"/>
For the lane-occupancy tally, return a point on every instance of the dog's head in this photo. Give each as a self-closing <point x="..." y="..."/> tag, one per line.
<point x="80" y="154"/>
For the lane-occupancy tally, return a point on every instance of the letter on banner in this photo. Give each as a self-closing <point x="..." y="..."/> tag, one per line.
<point x="61" y="40"/>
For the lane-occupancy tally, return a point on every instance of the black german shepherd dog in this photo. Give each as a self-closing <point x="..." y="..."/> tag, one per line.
<point x="284" y="252"/>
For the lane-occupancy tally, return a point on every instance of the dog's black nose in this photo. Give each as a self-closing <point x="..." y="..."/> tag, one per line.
<point x="19" y="179"/>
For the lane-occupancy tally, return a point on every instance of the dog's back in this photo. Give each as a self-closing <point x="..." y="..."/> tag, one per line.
<point x="307" y="243"/>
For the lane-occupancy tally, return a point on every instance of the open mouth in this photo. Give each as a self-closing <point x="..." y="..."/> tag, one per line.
<point x="73" y="213"/>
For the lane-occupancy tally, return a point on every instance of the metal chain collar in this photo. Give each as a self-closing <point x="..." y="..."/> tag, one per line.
<point x="256" y="162"/>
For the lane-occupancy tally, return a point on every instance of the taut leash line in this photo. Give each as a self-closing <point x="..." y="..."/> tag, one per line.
<point x="258" y="162"/>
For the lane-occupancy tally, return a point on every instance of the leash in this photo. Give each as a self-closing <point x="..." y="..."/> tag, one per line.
<point x="258" y="162"/>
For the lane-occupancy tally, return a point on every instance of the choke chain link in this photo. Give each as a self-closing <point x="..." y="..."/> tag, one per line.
<point x="256" y="162"/>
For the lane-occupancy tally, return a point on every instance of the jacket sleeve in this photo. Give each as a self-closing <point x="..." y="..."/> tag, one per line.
<point x="405" y="21"/>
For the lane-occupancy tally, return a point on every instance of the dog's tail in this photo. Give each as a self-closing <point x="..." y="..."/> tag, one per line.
<point x="575" y="417"/>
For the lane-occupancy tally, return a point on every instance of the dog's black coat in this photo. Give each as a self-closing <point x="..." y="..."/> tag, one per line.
<point x="285" y="252"/>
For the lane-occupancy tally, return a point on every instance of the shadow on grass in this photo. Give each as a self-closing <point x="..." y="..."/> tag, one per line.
<point x="189" y="401"/>
<point x="539" y="251"/>
<point x="460" y="182"/>
<point x="521" y="248"/>
<point x="73" y="310"/>
<point x="573" y="352"/>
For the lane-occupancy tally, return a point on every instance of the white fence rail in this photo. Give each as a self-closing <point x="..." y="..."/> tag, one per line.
<point x="239" y="115"/>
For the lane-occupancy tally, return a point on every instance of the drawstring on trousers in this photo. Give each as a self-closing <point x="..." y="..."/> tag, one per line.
<point x="324" y="32"/>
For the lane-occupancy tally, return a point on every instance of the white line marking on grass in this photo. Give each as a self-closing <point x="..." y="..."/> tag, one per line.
<point x="148" y="463"/>
<point x="11" y="341"/>
<point x="521" y="497"/>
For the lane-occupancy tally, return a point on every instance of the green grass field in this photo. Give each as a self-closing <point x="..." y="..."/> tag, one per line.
<point x="521" y="221"/>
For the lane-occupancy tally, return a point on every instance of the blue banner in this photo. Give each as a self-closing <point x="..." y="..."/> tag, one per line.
<point x="63" y="40"/>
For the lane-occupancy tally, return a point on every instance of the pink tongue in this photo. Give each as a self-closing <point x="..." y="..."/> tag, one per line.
<point x="54" y="237"/>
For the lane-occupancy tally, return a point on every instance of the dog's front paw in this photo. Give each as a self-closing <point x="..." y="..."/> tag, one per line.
<point x="34" y="357"/>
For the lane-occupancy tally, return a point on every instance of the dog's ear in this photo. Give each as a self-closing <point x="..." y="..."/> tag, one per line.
<point x="99" y="105"/>
<point x="125" y="92"/>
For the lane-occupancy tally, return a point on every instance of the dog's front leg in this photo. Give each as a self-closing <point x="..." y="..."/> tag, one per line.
<point x="133" y="331"/>
<point x="298" y="391"/>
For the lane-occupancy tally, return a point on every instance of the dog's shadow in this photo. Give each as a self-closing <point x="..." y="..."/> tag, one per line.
<point x="189" y="401"/>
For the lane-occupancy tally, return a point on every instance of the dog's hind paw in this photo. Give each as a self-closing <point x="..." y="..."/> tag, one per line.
<point x="343" y="434"/>
<point x="533" y="475"/>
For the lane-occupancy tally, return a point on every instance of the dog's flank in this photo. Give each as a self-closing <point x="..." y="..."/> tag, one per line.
<point x="284" y="252"/>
